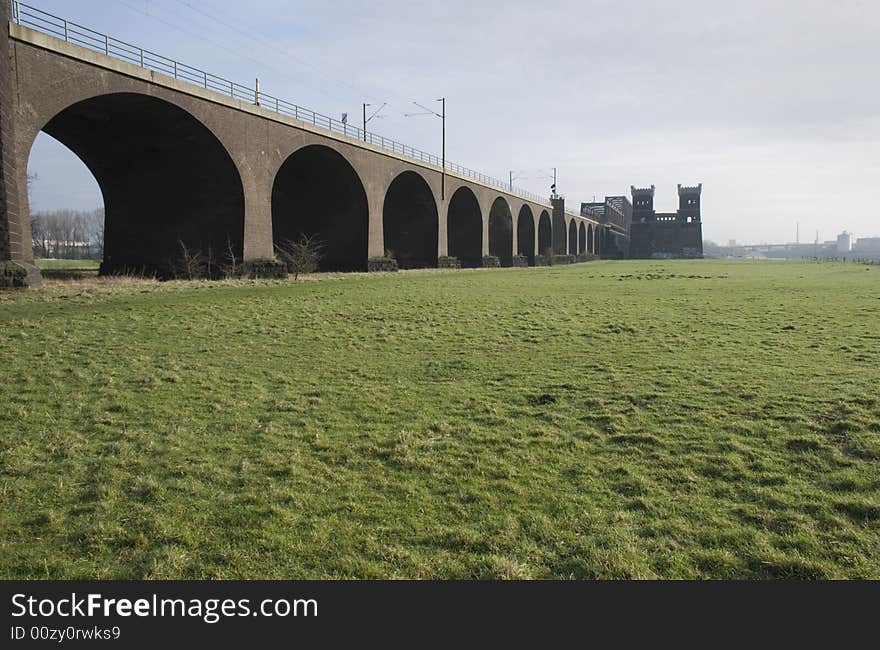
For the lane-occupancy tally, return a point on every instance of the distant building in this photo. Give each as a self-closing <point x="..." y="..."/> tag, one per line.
<point x="868" y="246"/>
<point x="656" y="235"/>
<point x="844" y="242"/>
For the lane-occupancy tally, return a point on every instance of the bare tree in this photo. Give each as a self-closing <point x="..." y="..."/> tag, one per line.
<point x="39" y="235"/>
<point x="94" y="229"/>
<point x="68" y="234"/>
<point x="209" y="264"/>
<point x="302" y="255"/>
<point x="232" y="267"/>
<point x="32" y="178"/>
<point x="189" y="264"/>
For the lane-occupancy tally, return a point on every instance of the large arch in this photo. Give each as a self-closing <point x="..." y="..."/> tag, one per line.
<point x="591" y="244"/>
<point x="501" y="232"/>
<point x="582" y="239"/>
<point x="545" y="235"/>
<point x="464" y="228"/>
<point x="572" y="238"/>
<point x="166" y="180"/>
<point x="525" y="234"/>
<point x="317" y="193"/>
<point x="410" y="222"/>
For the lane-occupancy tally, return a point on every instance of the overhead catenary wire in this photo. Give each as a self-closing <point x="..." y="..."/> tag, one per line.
<point x="251" y="36"/>
<point x="331" y="77"/>
<point x="228" y="49"/>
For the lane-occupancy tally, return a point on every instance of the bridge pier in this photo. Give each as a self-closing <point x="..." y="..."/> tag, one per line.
<point x="17" y="267"/>
<point x="257" y="245"/>
<point x="376" y="232"/>
<point x="443" y="229"/>
<point x="514" y="240"/>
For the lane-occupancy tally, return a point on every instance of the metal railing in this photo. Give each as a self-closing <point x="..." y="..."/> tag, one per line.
<point x="71" y="32"/>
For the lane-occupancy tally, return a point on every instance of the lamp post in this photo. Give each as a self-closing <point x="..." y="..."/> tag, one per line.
<point x="442" y="116"/>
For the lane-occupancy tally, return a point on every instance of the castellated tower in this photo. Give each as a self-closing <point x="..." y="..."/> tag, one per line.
<point x="689" y="202"/>
<point x="643" y="204"/>
<point x="666" y="235"/>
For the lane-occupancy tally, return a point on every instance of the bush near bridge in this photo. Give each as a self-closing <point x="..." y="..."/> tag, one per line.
<point x="689" y="419"/>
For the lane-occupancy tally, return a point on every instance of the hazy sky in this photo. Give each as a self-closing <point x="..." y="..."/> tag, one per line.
<point x="774" y="106"/>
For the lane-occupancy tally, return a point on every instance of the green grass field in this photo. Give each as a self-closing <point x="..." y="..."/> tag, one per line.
<point x="606" y="420"/>
<point x="68" y="269"/>
<point x="83" y="265"/>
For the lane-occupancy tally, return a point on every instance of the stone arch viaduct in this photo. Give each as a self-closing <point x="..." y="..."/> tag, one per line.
<point x="177" y="162"/>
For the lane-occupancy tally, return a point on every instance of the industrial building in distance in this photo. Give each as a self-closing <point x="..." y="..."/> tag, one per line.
<point x="845" y="246"/>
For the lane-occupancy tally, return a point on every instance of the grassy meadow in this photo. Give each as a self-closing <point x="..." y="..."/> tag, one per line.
<point x="53" y="269"/>
<point x="690" y="419"/>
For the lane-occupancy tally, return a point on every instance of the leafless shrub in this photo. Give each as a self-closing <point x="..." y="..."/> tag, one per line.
<point x="301" y="255"/>
<point x="232" y="267"/>
<point x="190" y="264"/>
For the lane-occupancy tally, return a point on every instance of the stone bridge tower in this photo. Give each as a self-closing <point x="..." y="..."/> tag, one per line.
<point x="689" y="203"/>
<point x="643" y="204"/>
<point x="667" y="234"/>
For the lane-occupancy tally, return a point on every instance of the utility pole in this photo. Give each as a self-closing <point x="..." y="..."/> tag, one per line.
<point x="443" y="173"/>
<point x="442" y="116"/>
<point x="375" y="114"/>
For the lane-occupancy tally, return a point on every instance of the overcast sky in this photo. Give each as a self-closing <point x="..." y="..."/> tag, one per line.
<point x="774" y="106"/>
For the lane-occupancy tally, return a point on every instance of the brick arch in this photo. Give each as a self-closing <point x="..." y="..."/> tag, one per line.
<point x="572" y="243"/>
<point x="501" y="231"/>
<point x="525" y="234"/>
<point x="464" y="227"/>
<point x="167" y="180"/>
<point x="545" y="234"/>
<point x="411" y="221"/>
<point x="318" y="194"/>
<point x="75" y="84"/>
